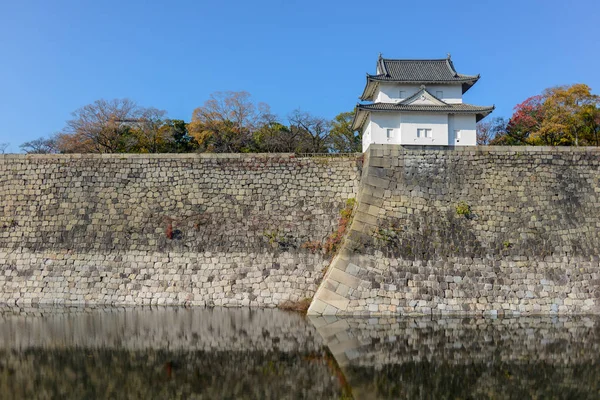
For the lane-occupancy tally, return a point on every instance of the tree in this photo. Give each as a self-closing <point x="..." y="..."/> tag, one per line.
<point x="526" y="119"/>
<point x="313" y="131"/>
<point x="590" y="117"/>
<point x="488" y="130"/>
<point x="560" y="116"/>
<point x="115" y="126"/>
<point x="180" y="140"/>
<point x="226" y="122"/>
<point x="98" y="127"/>
<point x="564" y="121"/>
<point x="145" y="134"/>
<point x="3" y="147"/>
<point x="342" y="138"/>
<point x="273" y="137"/>
<point x="40" y="146"/>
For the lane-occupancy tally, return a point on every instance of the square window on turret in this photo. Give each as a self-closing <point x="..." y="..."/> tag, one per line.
<point x="424" y="133"/>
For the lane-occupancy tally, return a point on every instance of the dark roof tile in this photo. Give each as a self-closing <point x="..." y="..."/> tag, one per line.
<point x="441" y="70"/>
<point x="461" y="107"/>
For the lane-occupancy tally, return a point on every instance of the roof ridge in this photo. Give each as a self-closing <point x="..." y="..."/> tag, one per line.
<point x="451" y="67"/>
<point x="414" y="59"/>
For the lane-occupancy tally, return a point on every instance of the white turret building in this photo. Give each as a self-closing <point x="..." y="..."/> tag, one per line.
<point x="418" y="102"/>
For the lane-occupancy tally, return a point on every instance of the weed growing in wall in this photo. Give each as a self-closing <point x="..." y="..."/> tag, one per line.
<point x="388" y="235"/>
<point x="312" y="246"/>
<point x="299" y="306"/>
<point x="278" y="239"/>
<point x="332" y="244"/>
<point x="463" y="208"/>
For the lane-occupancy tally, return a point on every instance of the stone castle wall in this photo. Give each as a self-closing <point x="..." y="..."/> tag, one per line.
<point x="498" y="230"/>
<point x="168" y="229"/>
<point x="436" y="230"/>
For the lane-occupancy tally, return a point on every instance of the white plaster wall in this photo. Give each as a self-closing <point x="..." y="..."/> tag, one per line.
<point x="451" y="138"/>
<point x="377" y="93"/>
<point x="404" y="126"/>
<point x="438" y="123"/>
<point x="390" y="92"/>
<point x="380" y="123"/>
<point x="366" y="136"/>
<point x="467" y="126"/>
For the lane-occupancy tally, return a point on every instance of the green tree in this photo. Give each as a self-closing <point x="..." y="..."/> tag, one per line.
<point x="180" y="140"/>
<point x="342" y="138"/>
<point x="274" y="137"/>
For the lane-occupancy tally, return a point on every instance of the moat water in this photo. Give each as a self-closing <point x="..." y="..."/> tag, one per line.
<point x="186" y="353"/>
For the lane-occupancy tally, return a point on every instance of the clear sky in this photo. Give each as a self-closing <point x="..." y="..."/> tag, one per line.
<point x="57" y="55"/>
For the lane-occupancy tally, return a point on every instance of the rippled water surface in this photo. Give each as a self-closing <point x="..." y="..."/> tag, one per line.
<point x="269" y="354"/>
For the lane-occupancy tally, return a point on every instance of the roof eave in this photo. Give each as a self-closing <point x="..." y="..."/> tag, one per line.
<point x="357" y="122"/>
<point x="484" y="111"/>
<point x="426" y="82"/>
<point x="482" y="115"/>
<point x="369" y="90"/>
<point x="469" y="84"/>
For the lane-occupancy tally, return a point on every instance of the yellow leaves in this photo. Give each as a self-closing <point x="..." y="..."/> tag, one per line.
<point x="568" y="117"/>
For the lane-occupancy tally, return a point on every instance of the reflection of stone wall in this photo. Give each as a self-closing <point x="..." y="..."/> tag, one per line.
<point x="162" y="354"/>
<point x="127" y="374"/>
<point x="466" y="358"/>
<point x="471" y="231"/>
<point x="167" y="229"/>
<point x="239" y="329"/>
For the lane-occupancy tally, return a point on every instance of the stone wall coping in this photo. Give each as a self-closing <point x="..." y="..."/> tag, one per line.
<point x="173" y="156"/>
<point x="490" y="149"/>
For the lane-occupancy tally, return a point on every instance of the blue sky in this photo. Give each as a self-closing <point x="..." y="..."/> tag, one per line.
<point x="57" y="56"/>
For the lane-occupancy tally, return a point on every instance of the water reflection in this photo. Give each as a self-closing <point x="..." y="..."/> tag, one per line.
<point x="162" y="354"/>
<point x="423" y="358"/>
<point x="240" y="353"/>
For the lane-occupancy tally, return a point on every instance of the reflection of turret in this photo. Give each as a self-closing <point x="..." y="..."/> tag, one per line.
<point x="465" y="357"/>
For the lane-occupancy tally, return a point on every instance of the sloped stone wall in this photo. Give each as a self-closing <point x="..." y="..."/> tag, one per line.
<point x="499" y="230"/>
<point x="167" y="229"/>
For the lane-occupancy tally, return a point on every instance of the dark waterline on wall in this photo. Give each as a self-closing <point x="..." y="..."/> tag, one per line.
<point x="271" y="354"/>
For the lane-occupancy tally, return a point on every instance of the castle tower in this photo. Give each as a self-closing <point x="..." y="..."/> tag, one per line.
<point x="418" y="102"/>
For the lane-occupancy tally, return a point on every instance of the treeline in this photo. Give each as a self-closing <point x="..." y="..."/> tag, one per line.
<point x="560" y="116"/>
<point x="229" y="122"/>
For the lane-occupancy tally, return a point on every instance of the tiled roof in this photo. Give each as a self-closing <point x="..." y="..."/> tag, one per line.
<point x="437" y="71"/>
<point x="441" y="70"/>
<point x="363" y="110"/>
<point x="449" y="108"/>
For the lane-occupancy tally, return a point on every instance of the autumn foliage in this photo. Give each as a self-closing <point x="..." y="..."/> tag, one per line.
<point x="228" y="122"/>
<point x="560" y="116"/>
